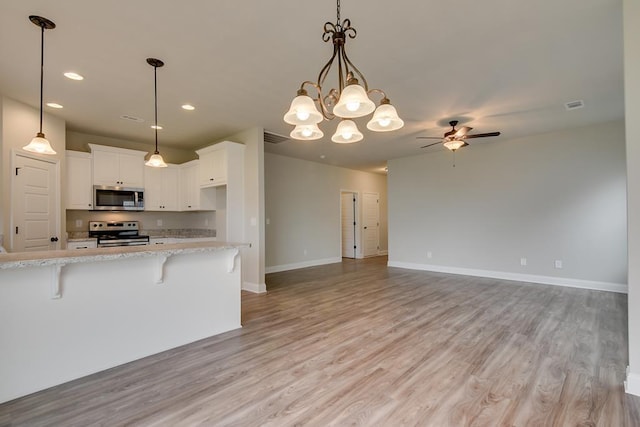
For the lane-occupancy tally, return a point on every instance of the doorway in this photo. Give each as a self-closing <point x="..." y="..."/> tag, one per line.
<point x="35" y="207"/>
<point x="349" y="223"/>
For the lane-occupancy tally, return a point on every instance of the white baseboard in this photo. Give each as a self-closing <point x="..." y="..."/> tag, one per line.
<point x="380" y="253"/>
<point x="531" y="278"/>
<point x="303" y="264"/>
<point x="256" y="288"/>
<point x="632" y="383"/>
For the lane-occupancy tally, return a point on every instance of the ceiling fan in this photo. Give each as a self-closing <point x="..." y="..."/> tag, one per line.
<point x="455" y="138"/>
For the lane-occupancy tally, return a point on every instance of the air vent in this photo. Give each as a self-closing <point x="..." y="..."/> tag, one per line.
<point x="274" y="138"/>
<point x="574" y="105"/>
<point x="131" y="118"/>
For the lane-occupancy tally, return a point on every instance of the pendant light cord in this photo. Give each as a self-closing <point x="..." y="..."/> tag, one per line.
<point x="41" y="73"/>
<point x="155" y="95"/>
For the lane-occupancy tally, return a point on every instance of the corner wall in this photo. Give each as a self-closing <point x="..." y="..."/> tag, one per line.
<point x="631" y="14"/>
<point x="302" y="205"/>
<point x="555" y="196"/>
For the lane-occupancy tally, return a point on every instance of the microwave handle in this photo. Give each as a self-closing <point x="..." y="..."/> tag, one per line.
<point x="135" y="198"/>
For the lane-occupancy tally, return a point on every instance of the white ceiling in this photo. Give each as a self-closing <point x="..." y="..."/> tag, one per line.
<point x="496" y="65"/>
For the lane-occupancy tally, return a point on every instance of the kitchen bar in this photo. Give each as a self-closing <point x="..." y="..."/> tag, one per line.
<point x="66" y="314"/>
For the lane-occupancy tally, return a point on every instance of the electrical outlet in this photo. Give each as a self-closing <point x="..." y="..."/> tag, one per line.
<point x="558" y="263"/>
<point x="268" y="221"/>
<point x="429" y="254"/>
<point x="78" y="223"/>
<point x="304" y="252"/>
<point x="523" y="261"/>
<point x="206" y="222"/>
<point x="159" y="223"/>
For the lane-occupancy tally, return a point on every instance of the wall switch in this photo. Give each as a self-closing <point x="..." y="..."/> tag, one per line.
<point x="429" y="254"/>
<point x="159" y="223"/>
<point x="558" y="263"/>
<point x="304" y="252"/>
<point x="268" y="221"/>
<point x="78" y="223"/>
<point x="253" y="221"/>
<point x="523" y="261"/>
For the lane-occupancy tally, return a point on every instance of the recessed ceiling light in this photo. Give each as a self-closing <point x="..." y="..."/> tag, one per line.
<point x="54" y="105"/>
<point x="73" y="76"/>
<point x="156" y="127"/>
<point x="188" y="107"/>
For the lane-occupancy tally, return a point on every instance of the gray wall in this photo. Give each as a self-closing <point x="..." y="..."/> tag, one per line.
<point x="302" y="206"/>
<point x="555" y="196"/>
<point x="632" y="111"/>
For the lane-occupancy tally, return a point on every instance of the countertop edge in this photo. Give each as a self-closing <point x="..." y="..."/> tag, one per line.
<point x="72" y="256"/>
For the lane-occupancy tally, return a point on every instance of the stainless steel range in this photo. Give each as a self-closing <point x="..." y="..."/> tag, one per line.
<point x="112" y="233"/>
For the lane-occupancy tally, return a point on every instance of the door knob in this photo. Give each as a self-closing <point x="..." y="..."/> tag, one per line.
<point x="54" y="239"/>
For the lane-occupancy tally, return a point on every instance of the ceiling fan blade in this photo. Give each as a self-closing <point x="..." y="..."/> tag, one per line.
<point x="429" y="145"/>
<point x="462" y="131"/>
<point x="428" y="137"/>
<point x="482" y="135"/>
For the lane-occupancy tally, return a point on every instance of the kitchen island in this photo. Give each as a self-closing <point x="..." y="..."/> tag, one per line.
<point x="68" y="313"/>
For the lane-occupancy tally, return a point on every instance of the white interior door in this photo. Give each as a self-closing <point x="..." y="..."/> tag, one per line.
<point x="348" y="221"/>
<point x="34" y="207"/>
<point x="371" y="224"/>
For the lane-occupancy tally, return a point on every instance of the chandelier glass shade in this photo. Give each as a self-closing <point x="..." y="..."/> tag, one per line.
<point x="155" y="160"/>
<point x="347" y="132"/>
<point x="306" y="132"/>
<point x="351" y="99"/>
<point x="39" y="144"/>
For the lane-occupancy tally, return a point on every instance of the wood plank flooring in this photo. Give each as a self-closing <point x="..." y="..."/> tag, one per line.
<point x="358" y="343"/>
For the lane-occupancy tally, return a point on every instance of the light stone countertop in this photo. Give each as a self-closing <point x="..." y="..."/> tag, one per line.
<point x="70" y="256"/>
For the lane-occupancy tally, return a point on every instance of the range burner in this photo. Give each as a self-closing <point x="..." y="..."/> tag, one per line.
<point x="113" y="233"/>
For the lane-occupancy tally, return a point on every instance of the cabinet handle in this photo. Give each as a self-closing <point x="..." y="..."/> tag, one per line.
<point x="211" y="179"/>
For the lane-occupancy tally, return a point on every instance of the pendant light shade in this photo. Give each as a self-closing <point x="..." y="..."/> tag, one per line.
<point x="303" y="111"/>
<point x="347" y="132"/>
<point x="385" y="118"/>
<point x="39" y="144"/>
<point x="307" y="132"/>
<point x="155" y="160"/>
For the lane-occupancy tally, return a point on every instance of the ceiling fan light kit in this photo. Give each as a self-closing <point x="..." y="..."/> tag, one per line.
<point x="350" y="100"/>
<point x="39" y="144"/>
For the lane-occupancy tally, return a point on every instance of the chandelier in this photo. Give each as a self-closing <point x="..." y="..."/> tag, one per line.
<point x="350" y="100"/>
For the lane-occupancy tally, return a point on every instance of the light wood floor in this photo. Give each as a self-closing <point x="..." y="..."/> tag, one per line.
<point x="358" y="343"/>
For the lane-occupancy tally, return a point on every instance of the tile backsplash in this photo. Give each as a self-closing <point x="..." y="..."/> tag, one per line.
<point x="78" y="221"/>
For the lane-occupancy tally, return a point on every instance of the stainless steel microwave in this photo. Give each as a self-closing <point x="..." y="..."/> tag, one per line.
<point x="106" y="198"/>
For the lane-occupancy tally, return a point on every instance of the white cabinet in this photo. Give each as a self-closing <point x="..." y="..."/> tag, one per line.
<point x="85" y="244"/>
<point x="117" y="166"/>
<point x="78" y="179"/>
<point x="161" y="188"/>
<point x="214" y="161"/>
<point x="192" y="196"/>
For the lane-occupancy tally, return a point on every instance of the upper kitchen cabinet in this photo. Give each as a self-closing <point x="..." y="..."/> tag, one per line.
<point x="161" y="188"/>
<point x="216" y="160"/>
<point x="78" y="179"/>
<point x="117" y="166"/>
<point x="192" y="196"/>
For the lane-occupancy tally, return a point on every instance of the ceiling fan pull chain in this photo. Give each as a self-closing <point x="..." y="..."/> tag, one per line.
<point x="454" y="159"/>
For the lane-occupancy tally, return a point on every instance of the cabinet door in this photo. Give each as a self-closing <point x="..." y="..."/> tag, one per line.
<point x="79" y="188"/>
<point x="152" y="189"/>
<point x="131" y="171"/>
<point x="106" y="168"/>
<point x="170" y="181"/>
<point x="213" y="168"/>
<point x="189" y="187"/>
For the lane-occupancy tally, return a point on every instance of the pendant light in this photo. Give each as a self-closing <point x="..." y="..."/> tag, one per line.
<point x="156" y="160"/>
<point x="39" y="143"/>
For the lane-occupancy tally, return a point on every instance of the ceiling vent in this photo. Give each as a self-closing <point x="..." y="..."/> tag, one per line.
<point x="574" y="105"/>
<point x="131" y="118"/>
<point x="274" y="138"/>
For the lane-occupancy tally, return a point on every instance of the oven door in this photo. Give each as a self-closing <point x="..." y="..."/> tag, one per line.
<point x="107" y="198"/>
<point x="136" y="241"/>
